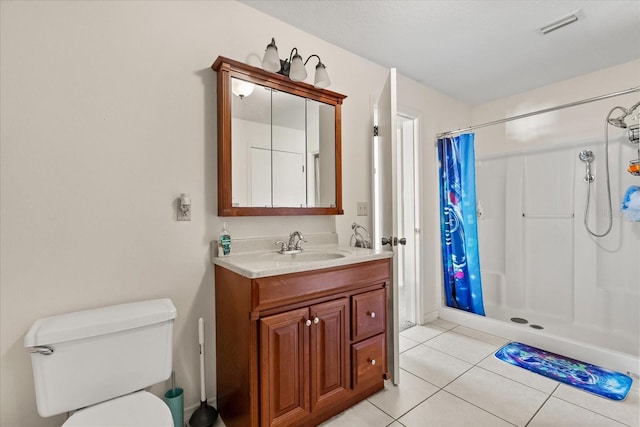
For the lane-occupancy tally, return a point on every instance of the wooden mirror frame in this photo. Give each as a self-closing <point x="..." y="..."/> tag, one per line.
<point x="226" y="69"/>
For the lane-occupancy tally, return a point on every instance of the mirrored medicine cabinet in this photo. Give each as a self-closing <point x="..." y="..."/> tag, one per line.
<point x="279" y="144"/>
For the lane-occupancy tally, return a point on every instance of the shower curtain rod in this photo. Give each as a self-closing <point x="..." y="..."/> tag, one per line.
<point x="534" y="113"/>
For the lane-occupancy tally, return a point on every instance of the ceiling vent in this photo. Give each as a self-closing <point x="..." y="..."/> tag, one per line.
<point x="562" y="22"/>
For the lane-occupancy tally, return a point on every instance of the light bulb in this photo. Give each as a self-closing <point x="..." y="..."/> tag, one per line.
<point x="322" y="78"/>
<point x="271" y="60"/>
<point x="297" y="72"/>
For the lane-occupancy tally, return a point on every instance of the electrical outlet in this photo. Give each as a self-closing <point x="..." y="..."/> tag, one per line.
<point x="362" y="208"/>
<point x="184" y="216"/>
<point x="184" y="207"/>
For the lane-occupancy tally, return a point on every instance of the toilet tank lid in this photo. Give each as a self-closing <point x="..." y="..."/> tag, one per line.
<point x="99" y="321"/>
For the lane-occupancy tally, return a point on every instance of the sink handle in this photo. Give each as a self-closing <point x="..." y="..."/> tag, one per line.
<point x="283" y="246"/>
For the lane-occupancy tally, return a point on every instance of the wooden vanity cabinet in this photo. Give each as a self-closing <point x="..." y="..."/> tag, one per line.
<point x="297" y="349"/>
<point x="304" y="364"/>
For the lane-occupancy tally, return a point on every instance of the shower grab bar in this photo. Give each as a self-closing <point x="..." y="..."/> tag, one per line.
<point x="550" y="216"/>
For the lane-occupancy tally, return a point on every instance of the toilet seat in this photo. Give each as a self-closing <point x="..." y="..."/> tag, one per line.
<point x="139" y="409"/>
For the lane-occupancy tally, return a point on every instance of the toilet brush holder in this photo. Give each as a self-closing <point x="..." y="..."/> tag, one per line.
<point x="175" y="401"/>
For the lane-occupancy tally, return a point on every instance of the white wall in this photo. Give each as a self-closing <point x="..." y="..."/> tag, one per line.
<point x="108" y="114"/>
<point x="584" y="122"/>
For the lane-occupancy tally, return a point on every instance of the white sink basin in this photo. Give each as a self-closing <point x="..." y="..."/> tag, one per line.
<point x="302" y="256"/>
<point x="313" y="256"/>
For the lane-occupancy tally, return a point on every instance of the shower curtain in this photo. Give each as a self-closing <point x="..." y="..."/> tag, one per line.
<point x="459" y="230"/>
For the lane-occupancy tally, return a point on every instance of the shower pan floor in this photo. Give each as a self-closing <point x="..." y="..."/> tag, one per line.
<point x="619" y="341"/>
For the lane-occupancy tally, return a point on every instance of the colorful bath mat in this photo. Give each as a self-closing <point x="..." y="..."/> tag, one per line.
<point x="591" y="378"/>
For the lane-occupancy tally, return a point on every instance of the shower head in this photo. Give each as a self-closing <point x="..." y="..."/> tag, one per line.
<point x="619" y="121"/>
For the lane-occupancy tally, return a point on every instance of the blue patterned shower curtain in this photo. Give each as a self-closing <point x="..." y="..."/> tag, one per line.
<point x="459" y="229"/>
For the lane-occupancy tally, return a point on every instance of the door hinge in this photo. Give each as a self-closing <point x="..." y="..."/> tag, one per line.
<point x="375" y="130"/>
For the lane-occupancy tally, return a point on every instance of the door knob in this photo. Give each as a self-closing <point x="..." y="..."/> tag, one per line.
<point x="394" y="241"/>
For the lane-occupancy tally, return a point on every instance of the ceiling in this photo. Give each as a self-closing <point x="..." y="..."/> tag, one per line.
<point x="472" y="50"/>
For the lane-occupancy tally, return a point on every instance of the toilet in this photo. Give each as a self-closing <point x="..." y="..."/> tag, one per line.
<point x="98" y="362"/>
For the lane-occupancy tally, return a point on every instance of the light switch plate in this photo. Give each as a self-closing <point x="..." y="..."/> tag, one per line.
<point x="362" y="208"/>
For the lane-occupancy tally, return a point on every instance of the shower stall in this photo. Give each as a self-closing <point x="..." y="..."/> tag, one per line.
<point x="560" y="264"/>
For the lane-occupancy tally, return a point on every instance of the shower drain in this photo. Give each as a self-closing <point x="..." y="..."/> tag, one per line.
<point x="524" y="322"/>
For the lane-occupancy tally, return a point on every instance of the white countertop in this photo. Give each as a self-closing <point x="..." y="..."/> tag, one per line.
<point x="271" y="263"/>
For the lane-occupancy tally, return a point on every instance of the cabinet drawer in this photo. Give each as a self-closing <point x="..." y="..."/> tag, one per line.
<point x="275" y="291"/>
<point x="368" y="314"/>
<point x="368" y="360"/>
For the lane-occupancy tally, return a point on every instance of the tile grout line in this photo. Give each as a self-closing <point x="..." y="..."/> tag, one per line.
<point x="442" y="389"/>
<point x="413" y="407"/>
<point x="558" y="384"/>
<point x="521" y="383"/>
<point x="582" y="407"/>
<point x="477" y="364"/>
<point x="549" y="395"/>
<point x="428" y="339"/>
<point x="482" y="409"/>
<point x="541" y="406"/>
<point x="451" y="355"/>
<point x="473" y="404"/>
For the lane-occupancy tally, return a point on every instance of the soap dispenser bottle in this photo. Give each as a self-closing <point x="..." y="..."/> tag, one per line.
<point x="225" y="240"/>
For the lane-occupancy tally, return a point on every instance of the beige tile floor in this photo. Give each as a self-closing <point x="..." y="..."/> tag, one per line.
<point x="450" y="377"/>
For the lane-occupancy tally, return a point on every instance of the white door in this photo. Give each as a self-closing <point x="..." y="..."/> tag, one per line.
<point x="385" y="198"/>
<point x="259" y="190"/>
<point x="408" y="211"/>
<point x="288" y="179"/>
<point x="282" y="168"/>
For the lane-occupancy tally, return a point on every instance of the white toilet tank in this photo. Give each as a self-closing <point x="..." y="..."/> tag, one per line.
<point x="99" y="354"/>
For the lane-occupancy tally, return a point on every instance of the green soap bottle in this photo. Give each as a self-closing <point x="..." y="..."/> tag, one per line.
<point x="225" y="240"/>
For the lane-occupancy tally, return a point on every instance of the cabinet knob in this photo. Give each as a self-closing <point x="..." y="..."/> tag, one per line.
<point x="316" y="320"/>
<point x="308" y="323"/>
<point x="372" y="362"/>
<point x="372" y="314"/>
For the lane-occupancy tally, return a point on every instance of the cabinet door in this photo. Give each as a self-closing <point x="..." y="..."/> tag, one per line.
<point x="329" y="352"/>
<point x="284" y="367"/>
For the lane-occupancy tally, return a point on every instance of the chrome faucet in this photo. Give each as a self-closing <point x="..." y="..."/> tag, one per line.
<point x="295" y="244"/>
<point x="360" y="240"/>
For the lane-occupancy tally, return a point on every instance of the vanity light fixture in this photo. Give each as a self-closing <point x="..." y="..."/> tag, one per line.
<point x="562" y="22"/>
<point x="294" y="67"/>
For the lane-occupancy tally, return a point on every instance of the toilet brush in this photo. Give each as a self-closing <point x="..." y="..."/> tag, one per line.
<point x="205" y="415"/>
